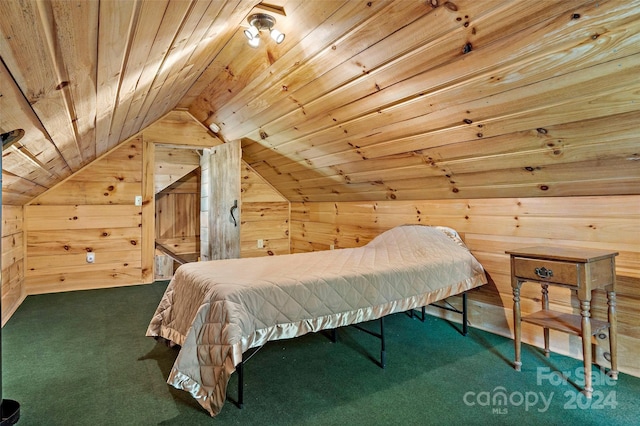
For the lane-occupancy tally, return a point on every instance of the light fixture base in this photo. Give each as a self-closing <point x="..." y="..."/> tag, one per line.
<point x="261" y="21"/>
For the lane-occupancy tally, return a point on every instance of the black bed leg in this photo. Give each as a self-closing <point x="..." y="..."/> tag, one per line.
<point x="240" y="370"/>
<point x="383" y="356"/>
<point x="464" y="314"/>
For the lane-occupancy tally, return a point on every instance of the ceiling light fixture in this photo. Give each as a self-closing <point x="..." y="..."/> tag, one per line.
<point x="214" y="127"/>
<point x="258" y="22"/>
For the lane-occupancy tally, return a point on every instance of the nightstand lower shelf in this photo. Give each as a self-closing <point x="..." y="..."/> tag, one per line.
<point x="568" y="323"/>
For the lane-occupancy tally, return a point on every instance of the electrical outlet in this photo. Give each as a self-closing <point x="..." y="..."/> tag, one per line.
<point x="260" y="243"/>
<point x="91" y="257"/>
<point x="331" y="247"/>
<point x="138" y="200"/>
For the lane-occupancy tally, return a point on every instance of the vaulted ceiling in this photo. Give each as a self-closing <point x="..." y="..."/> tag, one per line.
<point x="364" y="100"/>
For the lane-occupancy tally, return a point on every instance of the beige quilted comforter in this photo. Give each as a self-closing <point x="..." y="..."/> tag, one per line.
<point x="218" y="309"/>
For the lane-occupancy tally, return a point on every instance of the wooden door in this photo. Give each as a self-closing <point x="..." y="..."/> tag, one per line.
<point x="220" y="207"/>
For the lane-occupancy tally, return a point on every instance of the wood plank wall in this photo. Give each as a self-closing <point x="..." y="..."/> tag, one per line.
<point x="172" y="164"/>
<point x="265" y="216"/>
<point x="177" y="215"/>
<point x="205" y="190"/>
<point x="13" y="292"/>
<point x="491" y="226"/>
<point x="92" y="211"/>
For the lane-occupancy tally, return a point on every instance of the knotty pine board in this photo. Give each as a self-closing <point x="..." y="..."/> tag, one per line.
<point x="265" y="216"/>
<point x="61" y="228"/>
<point x="46" y="95"/>
<point x="178" y="128"/>
<point x="35" y="173"/>
<point x="457" y="83"/>
<point x="12" y="273"/>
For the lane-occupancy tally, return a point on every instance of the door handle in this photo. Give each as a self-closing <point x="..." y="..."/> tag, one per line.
<point x="234" y="207"/>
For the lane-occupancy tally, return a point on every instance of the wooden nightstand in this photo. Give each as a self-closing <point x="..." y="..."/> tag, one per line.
<point x="580" y="270"/>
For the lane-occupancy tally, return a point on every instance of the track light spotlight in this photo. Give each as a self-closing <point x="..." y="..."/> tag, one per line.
<point x="277" y="36"/>
<point x="251" y="32"/>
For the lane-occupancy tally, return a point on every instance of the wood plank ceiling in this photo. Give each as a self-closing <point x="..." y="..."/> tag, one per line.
<point x="364" y="100"/>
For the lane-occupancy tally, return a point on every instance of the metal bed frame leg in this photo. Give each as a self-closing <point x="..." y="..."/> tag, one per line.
<point x="383" y="354"/>
<point x="240" y="370"/>
<point x="465" y="326"/>
<point x="464" y="314"/>
<point x="421" y="317"/>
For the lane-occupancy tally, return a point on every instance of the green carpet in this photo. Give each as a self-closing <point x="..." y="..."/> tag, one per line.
<point x="82" y="358"/>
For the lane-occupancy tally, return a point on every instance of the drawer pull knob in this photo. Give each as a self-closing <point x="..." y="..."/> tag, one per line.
<point x="544" y="272"/>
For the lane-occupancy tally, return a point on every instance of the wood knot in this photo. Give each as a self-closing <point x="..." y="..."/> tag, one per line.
<point x="451" y="6"/>
<point x="467" y="48"/>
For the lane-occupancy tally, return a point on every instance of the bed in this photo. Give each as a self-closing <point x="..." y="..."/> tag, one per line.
<point x="217" y="310"/>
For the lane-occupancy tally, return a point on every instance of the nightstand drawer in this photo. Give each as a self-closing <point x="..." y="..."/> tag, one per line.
<point x="546" y="270"/>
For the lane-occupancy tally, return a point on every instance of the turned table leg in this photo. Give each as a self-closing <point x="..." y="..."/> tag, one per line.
<point x="516" y="323"/>
<point x="585" y="311"/>
<point x="545" y="306"/>
<point x="613" y="334"/>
